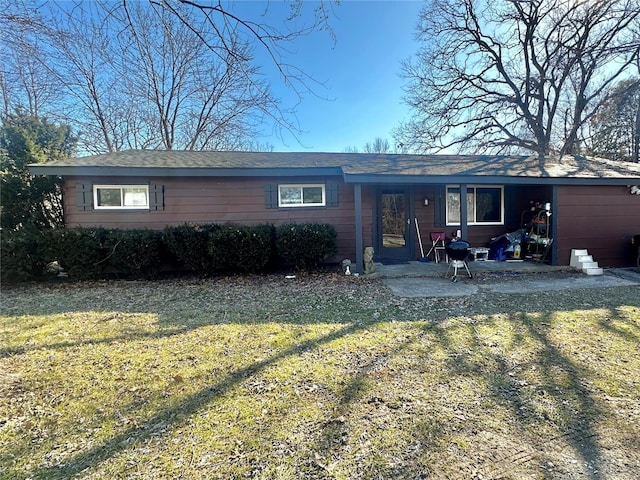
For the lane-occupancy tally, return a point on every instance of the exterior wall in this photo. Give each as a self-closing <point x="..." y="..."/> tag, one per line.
<point x="599" y="219"/>
<point x="233" y="200"/>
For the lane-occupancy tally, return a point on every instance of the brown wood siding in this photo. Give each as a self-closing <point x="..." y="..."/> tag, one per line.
<point x="599" y="219"/>
<point x="223" y="201"/>
<point x="426" y="217"/>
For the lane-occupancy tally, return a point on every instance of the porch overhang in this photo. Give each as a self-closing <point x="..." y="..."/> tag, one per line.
<point x="378" y="179"/>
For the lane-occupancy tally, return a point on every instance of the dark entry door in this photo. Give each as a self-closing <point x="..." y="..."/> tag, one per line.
<point x="394" y="236"/>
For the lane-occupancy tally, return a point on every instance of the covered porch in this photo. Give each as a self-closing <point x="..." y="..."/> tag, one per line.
<point x="405" y="231"/>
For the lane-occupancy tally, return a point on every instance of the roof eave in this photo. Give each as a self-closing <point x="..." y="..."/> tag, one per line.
<point x="123" y="171"/>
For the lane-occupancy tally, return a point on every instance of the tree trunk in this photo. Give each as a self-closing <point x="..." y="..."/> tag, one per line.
<point x="636" y="135"/>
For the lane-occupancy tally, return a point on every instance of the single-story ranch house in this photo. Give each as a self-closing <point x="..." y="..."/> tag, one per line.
<point x="371" y="199"/>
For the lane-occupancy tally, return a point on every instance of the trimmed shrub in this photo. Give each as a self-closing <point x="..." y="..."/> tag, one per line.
<point x="245" y="248"/>
<point x="306" y="245"/>
<point x="23" y="254"/>
<point x="190" y="245"/>
<point x="134" y="253"/>
<point x="79" y="251"/>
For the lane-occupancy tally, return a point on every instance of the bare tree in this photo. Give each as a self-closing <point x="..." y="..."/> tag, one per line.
<point x="275" y="39"/>
<point x="163" y="74"/>
<point x="25" y="84"/>
<point x="509" y="75"/>
<point x="616" y="127"/>
<point x="379" y="145"/>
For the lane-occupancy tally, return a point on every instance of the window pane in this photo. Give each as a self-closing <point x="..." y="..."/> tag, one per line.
<point x="470" y="205"/>
<point x="312" y="195"/>
<point x="453" y="205"/>
<point x="109" y="197"/>
<point x="135" y="197"/>
<point x="488" y="205"/>
<point x="290" y="195"/>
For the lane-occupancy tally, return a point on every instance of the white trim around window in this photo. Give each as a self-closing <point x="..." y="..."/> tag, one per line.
<point x="121" y="197"/>
<point x="302" y="195"/>
<point x="485" y="205"/>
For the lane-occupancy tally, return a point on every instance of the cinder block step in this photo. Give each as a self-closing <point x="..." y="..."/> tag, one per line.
<point x="575" y="255"/>
<point x="581" y="259"/>
<point x="586" y="265"/>
<point x="593" y="271"/>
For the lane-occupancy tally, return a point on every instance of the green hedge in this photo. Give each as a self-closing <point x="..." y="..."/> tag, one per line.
<point x="306" y="245"/>
<point x="89" y="253"/>
<point x="79" y="251"/>
<point x="190" y="246"/>
<point x="134" y="253"/>
<point x="21" y="255"/>
<point x="242" y="248"/>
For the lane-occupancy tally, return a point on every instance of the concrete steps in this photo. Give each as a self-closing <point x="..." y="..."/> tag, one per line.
<point x="581" y="260"/>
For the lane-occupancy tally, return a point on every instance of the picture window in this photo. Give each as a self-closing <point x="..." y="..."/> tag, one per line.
<point x="485" y="205"/>
<point x="301" y="195"/>
<point x="121" y="197"/>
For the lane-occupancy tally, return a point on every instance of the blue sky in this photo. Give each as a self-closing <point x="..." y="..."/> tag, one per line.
<point x="362" y="92"/>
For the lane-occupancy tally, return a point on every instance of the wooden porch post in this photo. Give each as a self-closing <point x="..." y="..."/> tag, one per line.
<point x="463" y="211"/>
<point x="357" y="192"/>
<point x="554" y="225"/>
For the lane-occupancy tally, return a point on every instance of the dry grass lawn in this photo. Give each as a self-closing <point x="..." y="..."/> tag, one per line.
<point x="320" y="377"/>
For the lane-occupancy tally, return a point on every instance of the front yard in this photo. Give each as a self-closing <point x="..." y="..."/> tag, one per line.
<point x="321" y="376"/>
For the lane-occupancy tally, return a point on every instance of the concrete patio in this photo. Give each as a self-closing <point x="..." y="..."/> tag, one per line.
<point x="428" y="279"/>
<point x="432" y="269"/>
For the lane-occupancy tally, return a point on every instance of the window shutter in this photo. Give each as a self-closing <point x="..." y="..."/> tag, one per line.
<point x="156" y="197"/>
<point x="332" y="194"/>
<point x="271" y="195"/>
<point x="84" y="197"/>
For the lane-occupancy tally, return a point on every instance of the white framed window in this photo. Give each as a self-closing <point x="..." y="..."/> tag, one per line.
<point x="485" y="205"/>
<point x="131" y="197"/>
<point x="298" y="195"/>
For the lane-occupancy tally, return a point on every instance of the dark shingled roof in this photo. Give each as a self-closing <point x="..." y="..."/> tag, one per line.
<point x="354" y="167"/>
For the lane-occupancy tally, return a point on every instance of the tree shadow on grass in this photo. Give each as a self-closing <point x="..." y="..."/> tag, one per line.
<point x="176" y="310"/>
<point x="563" y="384"/>
<point x="630" y="332"/>
<point x="177" y="414"/>
<point x="579" y="416"/>
<point x="334" y="435"/>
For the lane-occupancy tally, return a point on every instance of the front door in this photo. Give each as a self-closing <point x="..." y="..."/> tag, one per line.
<point x="394" y="232"/>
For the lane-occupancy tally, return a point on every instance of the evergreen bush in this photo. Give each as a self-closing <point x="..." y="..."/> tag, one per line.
<point x="79" y="251"/>
<point x="23" y="255"/>
<point x="306" y="245"/>
<point x="190" y="245"/>
<point x="245" y="248"/>
<point x="134" y="253"/>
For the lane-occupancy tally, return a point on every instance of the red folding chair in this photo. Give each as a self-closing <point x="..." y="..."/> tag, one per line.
<point x="437" y="245"/>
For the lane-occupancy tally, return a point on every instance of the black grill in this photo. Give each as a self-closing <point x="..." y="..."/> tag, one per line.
<point x="457" y="251"/>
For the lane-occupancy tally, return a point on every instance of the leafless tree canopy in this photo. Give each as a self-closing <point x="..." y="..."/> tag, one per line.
<point x="378" y="145"/>
<point x="615" y="130"/>
<point x="512" y="75"/>
<point x="158" y="74"/>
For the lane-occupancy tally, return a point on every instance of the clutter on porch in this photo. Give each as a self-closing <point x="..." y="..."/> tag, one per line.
<point x="531" y="241"/>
